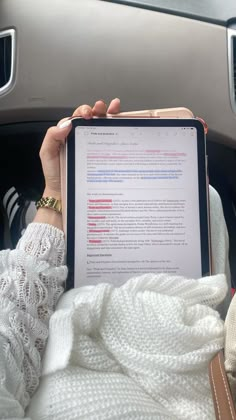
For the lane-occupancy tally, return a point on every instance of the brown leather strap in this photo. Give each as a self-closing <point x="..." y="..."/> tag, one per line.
<point x="223" y="402"/>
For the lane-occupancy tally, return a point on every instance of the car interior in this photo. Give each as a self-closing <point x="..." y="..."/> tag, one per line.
<point x="149" y="53"/>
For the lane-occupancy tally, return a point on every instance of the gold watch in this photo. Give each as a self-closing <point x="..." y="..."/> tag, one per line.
<point x="49" y="203"/>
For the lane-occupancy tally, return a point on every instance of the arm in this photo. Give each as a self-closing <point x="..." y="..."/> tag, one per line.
<point x="31" y="282"/>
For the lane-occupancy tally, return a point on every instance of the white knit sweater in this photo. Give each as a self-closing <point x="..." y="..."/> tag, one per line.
<point x="137" y="352"/>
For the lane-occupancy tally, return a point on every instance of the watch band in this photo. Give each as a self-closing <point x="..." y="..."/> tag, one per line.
<point x="49" y="203"/>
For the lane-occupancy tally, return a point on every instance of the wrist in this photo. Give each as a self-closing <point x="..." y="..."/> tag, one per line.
<point x="50" y="217"/>
<point x="49" y="192"/>
<point x="49" y="211"/>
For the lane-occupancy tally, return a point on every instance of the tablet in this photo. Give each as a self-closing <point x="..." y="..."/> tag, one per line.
<point x="136" y="200"/>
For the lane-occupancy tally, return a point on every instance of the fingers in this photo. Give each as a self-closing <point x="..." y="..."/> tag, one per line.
<point x="87" y="112"/>
<point x="99" y="109"/>
<point x="114" y="107"/>
<point x="56" y="135"/>
<point x="84" y="111"/>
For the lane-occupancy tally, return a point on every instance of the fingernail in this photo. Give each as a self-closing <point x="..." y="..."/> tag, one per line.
<point x="65" y="124"/>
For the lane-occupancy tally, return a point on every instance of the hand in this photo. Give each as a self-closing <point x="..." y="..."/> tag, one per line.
<point x="55" y="138"/>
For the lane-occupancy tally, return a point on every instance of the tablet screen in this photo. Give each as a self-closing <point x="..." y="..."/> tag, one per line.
<point x="138" y="203"/>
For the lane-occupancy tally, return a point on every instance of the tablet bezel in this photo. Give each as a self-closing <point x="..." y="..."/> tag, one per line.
<point x="140" y="122"/>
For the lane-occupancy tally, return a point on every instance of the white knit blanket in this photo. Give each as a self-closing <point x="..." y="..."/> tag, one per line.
<point x="137" y="352"/>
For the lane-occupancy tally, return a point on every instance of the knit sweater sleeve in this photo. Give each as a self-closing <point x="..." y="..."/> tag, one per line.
<point x="31" y="281"/>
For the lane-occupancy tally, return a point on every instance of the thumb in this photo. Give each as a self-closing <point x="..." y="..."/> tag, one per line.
<point x="54" y="139"/>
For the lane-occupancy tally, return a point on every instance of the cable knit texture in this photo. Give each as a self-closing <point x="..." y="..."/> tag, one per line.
<point x="31" y="280"/>
<point x="140" y="351"/>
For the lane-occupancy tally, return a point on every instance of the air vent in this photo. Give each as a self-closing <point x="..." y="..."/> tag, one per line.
<point x="7" y="59"/>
